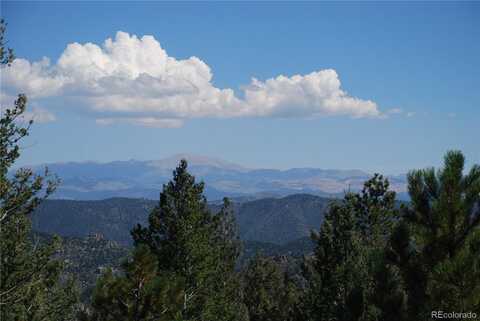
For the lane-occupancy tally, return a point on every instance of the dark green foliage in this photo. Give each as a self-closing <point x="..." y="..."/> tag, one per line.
<point x="180" y="235"/>
<point x="388" y="296"/>
<point x="374" y="210"/>
<point x="180" y="226"/>
<point x="270" y="294"/>
<point x="225" y="297"/>
<point x="374" y="262"/>
<point x="437" y="245"/>
<point x="348" y="278"/>
<point x="142" y="293"/>
<point x="338" y="270"/>
<point x="31" y="287"/>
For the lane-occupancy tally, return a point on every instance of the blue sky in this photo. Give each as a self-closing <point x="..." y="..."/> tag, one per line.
<point x="413" y="69"/>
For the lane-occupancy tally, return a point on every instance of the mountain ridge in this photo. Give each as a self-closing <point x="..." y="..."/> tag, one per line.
<point x="271" y="220"/>
<point x="144" y="179"/>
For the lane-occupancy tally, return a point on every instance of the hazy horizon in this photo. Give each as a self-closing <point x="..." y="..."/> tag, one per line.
<point x="187" y="156"/>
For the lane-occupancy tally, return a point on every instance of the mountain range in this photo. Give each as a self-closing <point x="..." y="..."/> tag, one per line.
<point x="144" y="179"/>
<point x="271" y="220"/>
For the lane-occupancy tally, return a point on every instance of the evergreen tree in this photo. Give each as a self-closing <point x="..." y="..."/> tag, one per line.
<point x="376" y="214"/>
<point x="348" y="277"/>
<point x="436" y="246"/>
<point x="337" y="271"/>
<point x="226" y="298"/>
<point x="197" y="246"/>
<point x="270" y="294"/>
<point x="374" y="211"/>
<point x="31" y="285"/>
<point x="141" y="293"/>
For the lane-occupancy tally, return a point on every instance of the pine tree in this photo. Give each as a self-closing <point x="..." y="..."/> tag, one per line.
<point x="197" y="246"/>
<point x="337" y="271"/>
<point x="436" y="246"/>
<point x="348" y="275"/>
<point x="31" y="284"/>
<point x="270" y="294"/>
<point x="140" y="293"/>
<point x="376" y="214"/>
<point x="225" y="301"/>
<point x="374" y="210"/>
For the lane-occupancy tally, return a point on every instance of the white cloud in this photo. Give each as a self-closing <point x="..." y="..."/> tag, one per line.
<point x="133" y="80"/>
<point x="38" y="79"/>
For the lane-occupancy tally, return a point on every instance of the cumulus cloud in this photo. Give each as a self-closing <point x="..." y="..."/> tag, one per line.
<point x="134" y="80"/>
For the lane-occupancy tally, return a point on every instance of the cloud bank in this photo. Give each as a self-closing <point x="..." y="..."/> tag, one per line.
<point x="133" y="80"/>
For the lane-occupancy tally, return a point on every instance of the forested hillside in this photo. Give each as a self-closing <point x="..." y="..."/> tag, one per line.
<point x="270" y="220"/>
<point x="88" y="257"/>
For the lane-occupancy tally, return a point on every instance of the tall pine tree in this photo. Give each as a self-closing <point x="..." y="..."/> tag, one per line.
<point x="437" y="244"/>
<point x="197" y="246"/>
<point x="348" y="275"/>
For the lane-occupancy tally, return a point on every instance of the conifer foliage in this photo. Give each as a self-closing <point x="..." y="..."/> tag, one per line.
<point x="378" y="260"/>
<point x="270" y="293"/>
<point x="437" y="246"/>
<point x="141" y="293"/>
<point x="349" y="250"/>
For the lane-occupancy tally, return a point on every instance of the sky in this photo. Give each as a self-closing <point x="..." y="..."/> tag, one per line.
<point x="382" y="87"/>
